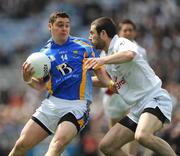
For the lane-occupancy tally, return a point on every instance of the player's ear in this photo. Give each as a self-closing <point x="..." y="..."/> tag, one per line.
<point x="49" y="26"/>
<point x="103" y="34"/>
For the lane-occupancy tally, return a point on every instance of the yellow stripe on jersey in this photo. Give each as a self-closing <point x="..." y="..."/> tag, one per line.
<point x="83" y="82"/>
<point x="93" y="54"/>
<point x="49" y="85"/>
<point x="82" y="42"/>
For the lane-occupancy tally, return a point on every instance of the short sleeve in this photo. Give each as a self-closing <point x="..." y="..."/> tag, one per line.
<point x="124" y="44"/>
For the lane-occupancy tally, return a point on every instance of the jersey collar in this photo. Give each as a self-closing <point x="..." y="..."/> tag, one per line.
<point x="57" y="45"/>
<point x="114" y="39"/>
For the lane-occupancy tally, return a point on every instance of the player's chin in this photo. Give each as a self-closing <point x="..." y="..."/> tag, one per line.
<point x="97" y="46"/>
<point x="64" y="37"/>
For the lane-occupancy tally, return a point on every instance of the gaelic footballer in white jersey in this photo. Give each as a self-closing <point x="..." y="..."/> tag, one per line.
<point x="135" y="80"/>
<point x="115" y="106"/>
<point x="139" y="87"/>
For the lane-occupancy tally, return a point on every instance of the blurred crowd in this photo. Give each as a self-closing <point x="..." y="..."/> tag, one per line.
<point x="23" y="29"/>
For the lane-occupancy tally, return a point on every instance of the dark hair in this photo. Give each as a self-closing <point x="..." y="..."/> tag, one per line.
<point x="57" y="14"/>
<point x="126" y="21"/>
<point x="107" y="24"/>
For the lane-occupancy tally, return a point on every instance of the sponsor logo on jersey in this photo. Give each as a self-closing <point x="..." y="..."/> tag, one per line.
<point x="119" y="83"/>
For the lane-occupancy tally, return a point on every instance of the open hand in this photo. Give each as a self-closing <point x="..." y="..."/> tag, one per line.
<point x="27" y="72"/>
<point x="94" y="63"/>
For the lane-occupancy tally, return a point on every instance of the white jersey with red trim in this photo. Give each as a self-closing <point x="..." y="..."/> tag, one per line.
<point x="135" y="80"/>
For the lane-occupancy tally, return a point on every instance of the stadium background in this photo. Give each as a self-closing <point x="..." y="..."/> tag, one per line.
<point x="23" y="29"/>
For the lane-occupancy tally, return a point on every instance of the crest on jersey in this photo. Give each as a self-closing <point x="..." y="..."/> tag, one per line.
<point x="122" y="43"/>
<point x="75" y="53"/>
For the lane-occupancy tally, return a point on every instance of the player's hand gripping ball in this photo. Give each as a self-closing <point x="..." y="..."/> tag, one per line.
<point x="41" y="64"/>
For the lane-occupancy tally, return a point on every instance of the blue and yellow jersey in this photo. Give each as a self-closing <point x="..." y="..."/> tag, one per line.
<point x="68" y="79"/>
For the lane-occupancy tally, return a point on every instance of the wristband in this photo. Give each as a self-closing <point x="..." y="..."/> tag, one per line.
<point x="29" y="82"/>
<point x="98" y="67"/>
<point x="111" y="84"/>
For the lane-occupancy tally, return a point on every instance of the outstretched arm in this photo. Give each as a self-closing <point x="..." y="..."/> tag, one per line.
<point x="117" y="58"/>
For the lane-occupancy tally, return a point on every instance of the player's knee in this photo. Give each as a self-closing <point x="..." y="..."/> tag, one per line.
<point x="142" y="137"/>
<point x="57" y="145"/>
<point x="105" y="147"/>
<point x="21" y="145"/>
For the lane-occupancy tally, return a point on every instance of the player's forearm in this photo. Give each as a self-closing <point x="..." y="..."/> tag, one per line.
<point x="96" y="82"/>
<point x="103" y="79"/>
<point x="121" y="57"/>
<point x="37" y="84"/>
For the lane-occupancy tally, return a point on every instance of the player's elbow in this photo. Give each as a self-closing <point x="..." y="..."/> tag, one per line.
<point x="130" y="55"/>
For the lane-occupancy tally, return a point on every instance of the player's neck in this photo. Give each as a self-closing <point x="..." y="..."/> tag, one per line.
<point x="106" y="47"/>
<point x="59" y="41"/>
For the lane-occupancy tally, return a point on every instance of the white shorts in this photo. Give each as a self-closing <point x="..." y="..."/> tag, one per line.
<point x="115" y="107"/>
<point x="53" y="109"/>
<point x="162" y="100"/>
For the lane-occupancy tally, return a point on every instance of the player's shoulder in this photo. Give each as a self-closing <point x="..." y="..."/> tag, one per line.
<point x="81" y="41"/>
<point x="48" y="44"/>
<point x="118" y="42"/>
<point x="141" y="48"/>
<point x="123" y="40"/>
<point x="47" y="47"/>
<point x="87" y="45"/>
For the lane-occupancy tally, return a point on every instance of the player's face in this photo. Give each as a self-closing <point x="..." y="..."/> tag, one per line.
<point x="95" y="38"/>
<point x="127" y="31"/>
<point x="60" y="29"/>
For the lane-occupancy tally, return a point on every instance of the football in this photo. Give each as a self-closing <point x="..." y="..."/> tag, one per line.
<point x="40" y="63"/>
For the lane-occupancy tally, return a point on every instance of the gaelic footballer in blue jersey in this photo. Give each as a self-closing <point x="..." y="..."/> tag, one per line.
<point x="68" y="78"/>
<point x="65" y="111"/>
